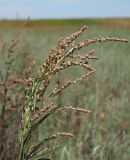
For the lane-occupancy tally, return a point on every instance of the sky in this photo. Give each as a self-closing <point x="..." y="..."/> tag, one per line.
<point x="37" y="9"/>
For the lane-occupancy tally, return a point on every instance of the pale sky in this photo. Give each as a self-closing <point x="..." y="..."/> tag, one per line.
<point x="11" y="9"/>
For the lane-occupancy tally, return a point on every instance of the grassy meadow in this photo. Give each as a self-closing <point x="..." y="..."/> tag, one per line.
<point x="105" y="134"/>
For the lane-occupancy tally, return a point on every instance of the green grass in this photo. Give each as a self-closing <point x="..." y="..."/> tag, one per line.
<point x="105" y="135"/>
<point x="54" y="22"/>
<point x="41" y="23"/>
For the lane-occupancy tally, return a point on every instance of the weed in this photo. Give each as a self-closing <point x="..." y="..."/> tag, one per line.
<point x="36" y="110"/>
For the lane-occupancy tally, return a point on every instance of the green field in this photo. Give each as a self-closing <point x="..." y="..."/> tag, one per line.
<point x="105" y="135"/>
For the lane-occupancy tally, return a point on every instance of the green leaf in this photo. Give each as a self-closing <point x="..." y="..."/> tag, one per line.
<point x="41" y="156"/>
<point x="34" y="150"/>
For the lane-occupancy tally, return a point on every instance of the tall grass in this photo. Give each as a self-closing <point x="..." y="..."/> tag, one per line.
<point x="62" y="57"/>
<point x="93" y="141"/>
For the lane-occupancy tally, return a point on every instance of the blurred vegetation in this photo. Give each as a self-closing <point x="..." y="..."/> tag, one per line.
<point x="105" y="134"/>
<point x="113" y="22"/>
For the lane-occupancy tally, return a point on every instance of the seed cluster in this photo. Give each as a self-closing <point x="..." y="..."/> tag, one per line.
<point x="65" y="134"/>
<point x="77" y="109"/>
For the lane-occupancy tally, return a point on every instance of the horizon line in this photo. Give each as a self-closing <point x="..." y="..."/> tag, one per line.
<point x="68" y="18"/>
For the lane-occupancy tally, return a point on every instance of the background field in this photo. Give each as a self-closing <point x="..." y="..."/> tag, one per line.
<point x="105" y="135"/>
